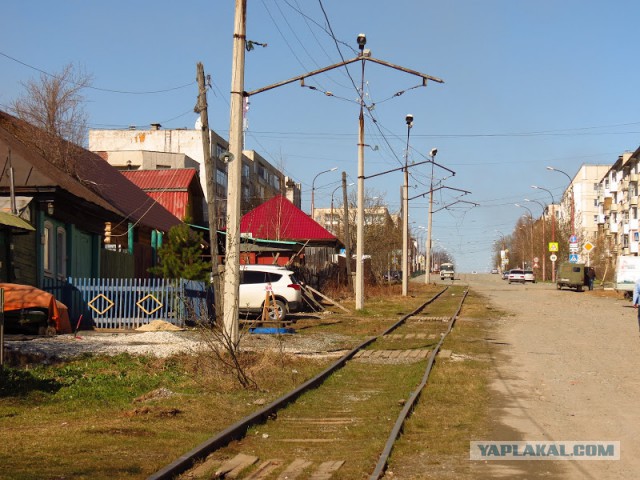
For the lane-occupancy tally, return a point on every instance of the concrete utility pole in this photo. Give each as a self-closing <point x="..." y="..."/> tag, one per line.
<point x="347" y="233"/>
<point x="201" y="107"/>
<point x="427" y="270"/>
<point x="234" y="157"/>
<point x="405" y="214"/>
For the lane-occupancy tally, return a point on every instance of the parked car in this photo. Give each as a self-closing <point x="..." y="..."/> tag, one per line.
<point x="516" y="275"/>
<point x="392" y="276"/>
<point x="255" y="282"/>
<point x="529" y="276"/>
<point x="494" y="271"/>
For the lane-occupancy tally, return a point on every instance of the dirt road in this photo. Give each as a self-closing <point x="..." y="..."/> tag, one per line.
<point x="568" y="369"/>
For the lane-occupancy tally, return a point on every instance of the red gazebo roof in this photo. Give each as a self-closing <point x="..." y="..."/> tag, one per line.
<point x="279" y="219"/>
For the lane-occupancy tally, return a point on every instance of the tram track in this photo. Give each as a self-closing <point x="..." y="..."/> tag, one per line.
<point x="316" y="419"/>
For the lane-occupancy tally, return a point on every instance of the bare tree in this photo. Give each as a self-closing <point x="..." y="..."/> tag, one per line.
<point x="55" y="103"/>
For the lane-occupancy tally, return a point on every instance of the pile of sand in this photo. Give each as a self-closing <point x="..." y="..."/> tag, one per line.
<point x="158" y="326"/>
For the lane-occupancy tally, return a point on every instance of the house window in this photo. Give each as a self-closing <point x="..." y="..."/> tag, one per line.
<point x="595" y="219"/>
<point x="595" y="202"/>
<point x="47" y="247"/>
<point x="221" y="177"/>
<point x="219" y="151"/>
<point x="246" y="193"/>
<point x="275" y="182"/>
<point x="595" y="187"/>
<point x="633" y="213"/>
<point x="263" y="173"/>
<point x="245" y="170"/>
<point x="61" y="253"/>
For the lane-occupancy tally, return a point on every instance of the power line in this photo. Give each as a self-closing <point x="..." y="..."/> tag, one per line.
<point x="97" y="88"/>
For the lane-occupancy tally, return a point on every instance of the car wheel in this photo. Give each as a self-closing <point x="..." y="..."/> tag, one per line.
<point x="278" y="312"/>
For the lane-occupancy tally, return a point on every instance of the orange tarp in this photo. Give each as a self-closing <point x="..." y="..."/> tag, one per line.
<point x="18" y="297"/>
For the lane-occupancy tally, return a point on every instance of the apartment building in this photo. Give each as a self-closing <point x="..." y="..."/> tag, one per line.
<point x="618" y="205"/>
<point x="157" y="148"/>
<point x="583" y="194"/>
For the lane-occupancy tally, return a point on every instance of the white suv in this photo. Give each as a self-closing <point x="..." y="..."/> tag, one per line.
<point x="254" y="284"/>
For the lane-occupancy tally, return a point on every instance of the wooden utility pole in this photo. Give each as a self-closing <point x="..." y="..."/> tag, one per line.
<point x="209" y="172"/>
<point x="347" y="235"/>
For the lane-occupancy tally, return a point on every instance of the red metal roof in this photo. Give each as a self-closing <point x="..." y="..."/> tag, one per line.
<point x="169" y="187"/>
<point x="279" y="219"/>
<point x="165" y="179"/>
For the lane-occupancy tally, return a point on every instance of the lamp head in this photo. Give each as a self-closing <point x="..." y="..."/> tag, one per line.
<point x="362" y="41"/>
<point x="433" y="152"/>
<point x="409" y="120"/>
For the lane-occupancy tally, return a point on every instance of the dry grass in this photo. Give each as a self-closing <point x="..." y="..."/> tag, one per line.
<point x="453" y="409"/>
<point x="101" y="417"/>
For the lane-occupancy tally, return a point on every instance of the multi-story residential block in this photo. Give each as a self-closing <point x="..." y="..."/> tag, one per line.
<point x="618" y="205"/>
<point x="181" y="148"/>
<point x="583" y="194"/>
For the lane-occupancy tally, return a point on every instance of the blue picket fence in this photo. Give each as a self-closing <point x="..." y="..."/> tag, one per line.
<point x="128" y="303"/>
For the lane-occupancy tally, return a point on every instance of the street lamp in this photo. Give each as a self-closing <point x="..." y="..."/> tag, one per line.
<point x="553" y="228"/>
<point x="332" y="193"/>
<point x="573" y="228"/>
<point x="544" y="257"/>
<point x="405" y="214"/>
<point x="313" y="188"/>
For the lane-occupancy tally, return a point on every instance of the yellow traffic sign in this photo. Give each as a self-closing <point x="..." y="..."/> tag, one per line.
<point x="553" y="246"/>
<point x="588" y="246"/>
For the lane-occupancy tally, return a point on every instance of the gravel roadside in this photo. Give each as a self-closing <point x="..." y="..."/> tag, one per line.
<point x="566" y="371"/>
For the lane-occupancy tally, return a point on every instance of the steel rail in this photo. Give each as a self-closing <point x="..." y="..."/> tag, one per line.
<point x="239" y="429"/>
<point x="408" y="407"/>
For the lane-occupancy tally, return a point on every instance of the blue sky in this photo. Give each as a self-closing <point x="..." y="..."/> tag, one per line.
<point x="527" y="84"/>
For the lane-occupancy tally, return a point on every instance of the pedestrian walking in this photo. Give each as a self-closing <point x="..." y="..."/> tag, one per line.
<point x="636" y="299"/>
<point x="591" y="276"/>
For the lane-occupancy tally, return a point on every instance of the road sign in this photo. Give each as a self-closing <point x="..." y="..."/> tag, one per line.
<point x="573" y="258"/>
<point x="553" y="257"/>
<point x="588" y="246"/>
<point x="536" y="259"/>
<point x="553" y="246"/>
<point x="573" y="239"/>
<point x="574" y="249"/>
<point x="535" y="265"/>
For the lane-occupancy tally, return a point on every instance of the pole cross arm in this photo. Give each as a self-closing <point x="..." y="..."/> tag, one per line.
<point x="464" y="192"/>
<point x="424" y="76"/>
<point x="412" y="165"/>
<point x="446" y="207"/>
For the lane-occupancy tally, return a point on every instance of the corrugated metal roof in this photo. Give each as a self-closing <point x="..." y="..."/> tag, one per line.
<point x="176" y="202"/>
<point x="279" y="219"/>
<point x="165" y="179"/>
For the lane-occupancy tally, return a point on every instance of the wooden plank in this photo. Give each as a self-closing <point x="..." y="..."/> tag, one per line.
<point x="295" y="469"/>
<point x="264" y="470"/>
<point x="327" y="299"/>
<point x="233" y="467"/>
<point x="326" y="470"/>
